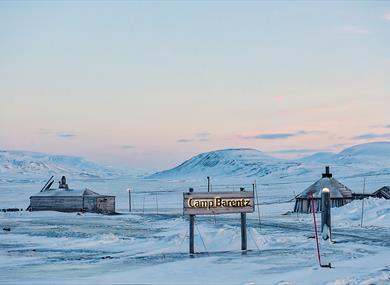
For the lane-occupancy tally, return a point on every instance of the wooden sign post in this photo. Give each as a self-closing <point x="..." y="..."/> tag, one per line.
<point x="243" y="228"/>
<point x="192" y="230"/>
<point x="216" y="203"/>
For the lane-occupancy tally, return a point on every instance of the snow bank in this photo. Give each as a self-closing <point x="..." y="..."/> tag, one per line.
<point x="376" y="213"/>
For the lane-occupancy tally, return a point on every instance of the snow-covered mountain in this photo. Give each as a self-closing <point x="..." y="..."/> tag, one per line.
<point x="25" y="166"/>
<point x="243" y="162"/>
<point x="360" y="160"/>
<point x="368" y="159"/>
<point x="373" y="153"/>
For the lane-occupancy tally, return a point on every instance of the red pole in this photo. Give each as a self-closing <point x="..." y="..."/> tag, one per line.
<point x="315" y="227"/>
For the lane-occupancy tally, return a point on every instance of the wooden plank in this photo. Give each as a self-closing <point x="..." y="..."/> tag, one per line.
<point x="215" y="203"/>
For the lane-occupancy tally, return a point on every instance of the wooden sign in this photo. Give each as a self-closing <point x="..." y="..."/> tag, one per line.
<point x="214" y="203"/>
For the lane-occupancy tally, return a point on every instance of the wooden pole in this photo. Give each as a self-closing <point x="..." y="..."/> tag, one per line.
<point x="156" y="203"/>
<point x="326" y="228"/>
<point x="129" y="190"/>
<point x="254" y="185"/>
<point x="47" y="183"/>
<point x="315" y="227"/>
<point x="364" y="188"/>
<point x="243" y="229"/>
<point x="192" y="230"/>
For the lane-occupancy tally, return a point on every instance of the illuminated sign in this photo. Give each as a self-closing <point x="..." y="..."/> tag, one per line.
<point x="213" y="203"/>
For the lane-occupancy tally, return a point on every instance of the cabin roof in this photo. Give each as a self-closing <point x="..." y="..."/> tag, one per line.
<point x="68" y="193"/>
<point x="337" y="189"/>
<point x="385" y="191"/>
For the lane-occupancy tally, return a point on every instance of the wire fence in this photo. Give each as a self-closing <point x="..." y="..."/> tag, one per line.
<point x="155" y="196"/>
<point x="169" y="199"/>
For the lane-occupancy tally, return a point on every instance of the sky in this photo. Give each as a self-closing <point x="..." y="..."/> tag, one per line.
<point x="150" y="84"/>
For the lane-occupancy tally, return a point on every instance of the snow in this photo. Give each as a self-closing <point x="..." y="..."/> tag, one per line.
<point x="149" y="248"/>
<point x="236" y="162"/>
<point x="138" y="248"/>
<point x="376" y="149"/>
<point x="370" y="160"/>
<point x="24" y="166"/>
<point x="376" y="213"/>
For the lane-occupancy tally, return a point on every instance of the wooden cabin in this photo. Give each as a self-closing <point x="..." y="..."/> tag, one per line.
<point x="65" y="199"/>
<point x="339" y="194"/>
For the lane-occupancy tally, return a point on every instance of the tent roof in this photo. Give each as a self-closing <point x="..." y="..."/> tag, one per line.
<point x="337" y="189"/>
<point x="67" y="192"/>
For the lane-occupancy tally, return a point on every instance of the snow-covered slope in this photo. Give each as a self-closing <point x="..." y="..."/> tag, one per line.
<point x="241" y="162"/>
<point x="368" y="159"/>
<point x="360" y="160"/>
<point x="377" y="149"/>
<point x="24" y="166"/>
<point x="372" y="153"/>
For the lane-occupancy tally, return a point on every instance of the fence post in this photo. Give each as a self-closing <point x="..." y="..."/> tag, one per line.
<point x="192" y="230"/>
<point x="325" y="215"/>
<point x="129" y="190"/>
<point x="243" y="229"/>
<point x="156" y="203"/>
<point x="254" y="185"/>
<point x="364" y="188"/>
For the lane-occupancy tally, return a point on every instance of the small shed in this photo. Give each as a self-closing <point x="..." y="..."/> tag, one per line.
<point x="65" y="199"/>
<point x="339" y="194"/>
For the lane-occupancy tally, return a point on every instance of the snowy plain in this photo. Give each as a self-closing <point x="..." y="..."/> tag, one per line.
<point x="150" y="245"/>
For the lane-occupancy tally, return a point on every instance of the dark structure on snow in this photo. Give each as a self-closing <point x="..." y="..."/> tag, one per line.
<point x="339" y="194"/>
<point x="383" y="192"/>
<point x="64" y="199"/>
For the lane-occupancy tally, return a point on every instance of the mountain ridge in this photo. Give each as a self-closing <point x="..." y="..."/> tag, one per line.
<point x="248" y="162"/>
<point x="362" y="159"/>
<point x="17" y="165"/>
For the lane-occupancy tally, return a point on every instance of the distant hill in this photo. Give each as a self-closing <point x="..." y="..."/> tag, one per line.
<point x="25" y="166"/>
<point x="369" y="159"/>
<point x="228" y="162"/>
<point x="364" y="159"/>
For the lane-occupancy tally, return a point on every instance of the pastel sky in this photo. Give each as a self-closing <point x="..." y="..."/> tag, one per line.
<point x="149" y="84"/>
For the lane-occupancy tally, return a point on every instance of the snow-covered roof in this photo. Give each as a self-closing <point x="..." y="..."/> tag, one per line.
<point x="67" y="192"/>
<point x="337" y="189"/>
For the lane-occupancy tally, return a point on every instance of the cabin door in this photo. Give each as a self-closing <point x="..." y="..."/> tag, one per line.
<point x="102" y="205"/>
